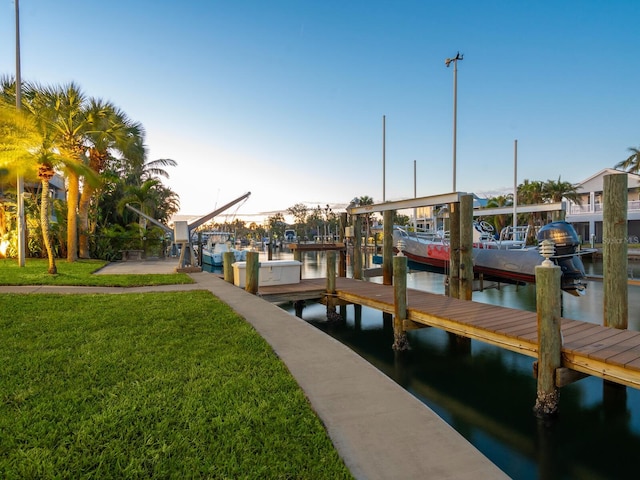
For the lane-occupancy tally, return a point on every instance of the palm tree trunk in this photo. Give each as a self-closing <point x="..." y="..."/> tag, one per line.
<point x="44" y="219"/>
<point x="83" y="220"/>
<point x="72" y="216"/>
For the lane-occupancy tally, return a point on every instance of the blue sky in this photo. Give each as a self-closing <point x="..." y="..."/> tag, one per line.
<point x="285" y="98"/>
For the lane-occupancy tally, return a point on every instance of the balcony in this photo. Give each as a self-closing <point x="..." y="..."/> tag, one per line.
<point x="632" y="206"/>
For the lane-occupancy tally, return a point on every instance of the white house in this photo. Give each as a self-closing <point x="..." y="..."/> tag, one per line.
<point x="587" y="217"/>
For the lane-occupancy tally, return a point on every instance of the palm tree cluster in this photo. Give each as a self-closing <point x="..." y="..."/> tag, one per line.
<point x="95" y="147"/>
<point x="532" y="192"/>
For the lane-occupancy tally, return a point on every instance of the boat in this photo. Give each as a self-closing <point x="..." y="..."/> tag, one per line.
<point x="213" y="250"/>
<point x="503" y="257"/>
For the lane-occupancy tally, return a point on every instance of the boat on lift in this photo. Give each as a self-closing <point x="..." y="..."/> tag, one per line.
<point x="217" y="243"/>
<point x="504" y="257"/>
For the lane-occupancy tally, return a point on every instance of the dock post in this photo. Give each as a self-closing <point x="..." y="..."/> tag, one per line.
<point x="342" y="262"/>
<point x="387" y="247"/>
<point x="357" y="248"/>
<point x="331" y="272"/>
<point x="466" y="247"/>
<point x="548" y="295"/>
<point x="454" y="250"/>
<point x="332" y="315"/>
<point x="400" y="341"/>
<point x="227" y="266"/>
<point x="614" y="251"/>
<point x="252" y="272"/>
<point x="297" y="256"/>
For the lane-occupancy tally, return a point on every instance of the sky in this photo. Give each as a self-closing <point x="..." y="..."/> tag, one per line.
<point x="286" y="98"/>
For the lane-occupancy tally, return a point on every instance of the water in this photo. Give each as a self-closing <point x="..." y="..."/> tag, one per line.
<point x="487" y="394"/>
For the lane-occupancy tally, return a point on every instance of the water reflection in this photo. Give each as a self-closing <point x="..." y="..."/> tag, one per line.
<point x="487" y="394"/>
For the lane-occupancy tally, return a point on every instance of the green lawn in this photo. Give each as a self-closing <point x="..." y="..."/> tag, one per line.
<point x="157" y="385"/>
<point x="78" y="273"/>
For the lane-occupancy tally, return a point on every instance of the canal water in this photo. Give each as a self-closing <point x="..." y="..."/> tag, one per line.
<point x="487" y="394"/>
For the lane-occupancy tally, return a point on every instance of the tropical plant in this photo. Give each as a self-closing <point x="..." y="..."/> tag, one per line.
<point x="23" y="147"/>
<point x="499" y="221"/>
<point x="61" y="114"/>
<point x="109" y="131"/>
<point x="632" y="163"/>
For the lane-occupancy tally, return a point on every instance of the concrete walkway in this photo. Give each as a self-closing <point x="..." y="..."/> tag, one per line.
<point x="379" y="429"/>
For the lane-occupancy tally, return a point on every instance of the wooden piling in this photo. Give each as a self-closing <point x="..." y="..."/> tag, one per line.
<point x="400" y="341"/>
<point x="252" y="272"/>
<point x="227" y="266"/>
<point x="466" y="247"/>
<point x="548" y="295"/>
<point x="614" y="250"/>
<point x="357" y="248"/>
<point x="342" y="262"/>
<point x="331" y="272"/>
<point x="332" y="315"/>
<point x="454" y="250"/>
<point x="387" y="247"/>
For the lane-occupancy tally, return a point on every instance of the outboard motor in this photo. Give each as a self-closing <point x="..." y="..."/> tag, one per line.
<point x="567" y="255"/>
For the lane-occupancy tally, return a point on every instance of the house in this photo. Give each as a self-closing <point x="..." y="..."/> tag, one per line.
<point x="586" y="218"/>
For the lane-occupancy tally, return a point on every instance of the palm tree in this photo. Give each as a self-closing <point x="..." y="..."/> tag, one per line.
<point x="109" y="131"/>
<point x="499" y="221"/>
<point x="23" y="147"/>
<point x="632" y="163"/>
<point x="554" y="191"/>
<point x="61" y="112"/>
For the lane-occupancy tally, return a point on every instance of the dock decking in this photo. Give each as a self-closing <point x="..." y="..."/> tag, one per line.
<point x="591" y="349"/>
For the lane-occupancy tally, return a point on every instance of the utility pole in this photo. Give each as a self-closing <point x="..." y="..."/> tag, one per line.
<point x="448" y="62"/>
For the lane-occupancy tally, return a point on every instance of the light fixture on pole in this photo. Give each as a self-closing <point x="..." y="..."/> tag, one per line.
<point x="448" y="62"/>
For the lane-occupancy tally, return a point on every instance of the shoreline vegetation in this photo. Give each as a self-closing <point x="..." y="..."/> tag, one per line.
<point x="153" y="385"/>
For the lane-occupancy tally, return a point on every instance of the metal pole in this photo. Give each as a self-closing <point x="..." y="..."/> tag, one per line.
<point x="447" y="62"/>
<point x="384" y="151"/>
<point x="415" y="195"/>
<point x="515" y="186"/>
<point x="455" y="117"/>
<point x="20" y="179"/>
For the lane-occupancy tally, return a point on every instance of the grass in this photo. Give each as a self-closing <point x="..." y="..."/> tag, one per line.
<point x="157" y="385"/>
<point x="78" y="273"/>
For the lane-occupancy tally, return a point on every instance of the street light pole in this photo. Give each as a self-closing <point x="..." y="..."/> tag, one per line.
<point x="20" y="179"/>
<point x="447" y="62"/>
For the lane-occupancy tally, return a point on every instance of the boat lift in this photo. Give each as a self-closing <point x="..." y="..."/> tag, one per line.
<point x="181" y="232"/>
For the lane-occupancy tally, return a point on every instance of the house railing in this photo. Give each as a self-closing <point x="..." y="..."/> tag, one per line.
<point x="574" y="209"/>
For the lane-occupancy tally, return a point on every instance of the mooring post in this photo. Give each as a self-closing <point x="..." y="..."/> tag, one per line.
<point x="297" y="256"/>
<point x="454" y="250"/>
<point x="252" y="272"/>
<point x="342" y="262"/>
<point x="331" y="272"/>
<point x="548" y="295"/>
<point x="614" y="250"/>
<point x="332" y="315"/>
<point x="466" y="247"/>
<point x="387" y="247"/>
<point x="357" y="248"/>
<point x="400" y="341"/>
<point x="227" y="266"/>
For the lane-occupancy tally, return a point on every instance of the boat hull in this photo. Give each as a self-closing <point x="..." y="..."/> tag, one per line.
<point x="513" y="265"/>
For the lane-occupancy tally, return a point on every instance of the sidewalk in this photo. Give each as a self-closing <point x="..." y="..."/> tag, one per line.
<point x="380" y="430"/>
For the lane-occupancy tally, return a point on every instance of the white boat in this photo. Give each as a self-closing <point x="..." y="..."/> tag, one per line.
<point x="505" y="257"/>
<point x="217" y="243"/>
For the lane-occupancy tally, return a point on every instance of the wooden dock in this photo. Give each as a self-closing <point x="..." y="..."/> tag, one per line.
<point x="587" y="348"/>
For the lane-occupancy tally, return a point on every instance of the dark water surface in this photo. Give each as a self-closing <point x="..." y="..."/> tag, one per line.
<point x="487" y="394"/>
